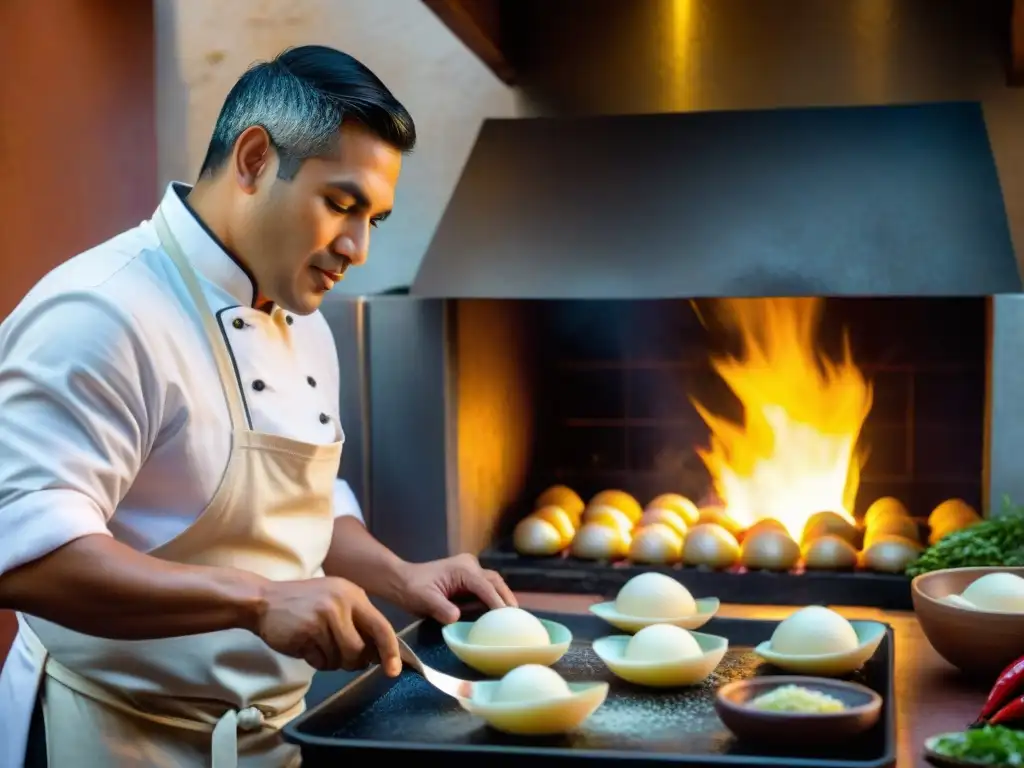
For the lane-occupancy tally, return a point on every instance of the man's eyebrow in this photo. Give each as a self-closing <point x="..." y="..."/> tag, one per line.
<point x="353" y="190"/>
<point x="356" y="193"/>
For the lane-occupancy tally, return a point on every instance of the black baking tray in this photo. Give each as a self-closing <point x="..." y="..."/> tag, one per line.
<point x="381" y="718"/>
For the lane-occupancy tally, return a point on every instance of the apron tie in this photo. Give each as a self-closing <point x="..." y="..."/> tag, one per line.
<point x="225" y="734"/>
<point x="224" y="739"/>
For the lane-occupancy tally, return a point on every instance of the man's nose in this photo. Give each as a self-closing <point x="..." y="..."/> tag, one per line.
<point x="352" y="247"/>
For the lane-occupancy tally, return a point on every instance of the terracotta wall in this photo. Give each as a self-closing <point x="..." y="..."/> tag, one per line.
<point x="77" y="137"/>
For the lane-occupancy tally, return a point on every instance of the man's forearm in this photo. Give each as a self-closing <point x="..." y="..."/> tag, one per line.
<point x="103" y="588"/>
<point x="357" y="556"/>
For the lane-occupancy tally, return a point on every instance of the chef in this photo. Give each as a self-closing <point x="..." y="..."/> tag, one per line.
<point x="172" y="531"/>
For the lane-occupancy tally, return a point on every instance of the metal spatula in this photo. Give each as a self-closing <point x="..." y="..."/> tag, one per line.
<point x="459" y="689"/>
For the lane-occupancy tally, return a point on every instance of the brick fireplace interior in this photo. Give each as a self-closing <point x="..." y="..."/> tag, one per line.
<point x="594" y="394"/>
<point x="615" y="400"/>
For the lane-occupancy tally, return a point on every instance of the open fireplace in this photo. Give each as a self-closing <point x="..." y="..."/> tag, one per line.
<point x="785" y="315"/>
<point x="829" y="405"/>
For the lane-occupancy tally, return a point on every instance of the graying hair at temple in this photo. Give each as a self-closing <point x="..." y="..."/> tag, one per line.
<point x="301" y="98"/>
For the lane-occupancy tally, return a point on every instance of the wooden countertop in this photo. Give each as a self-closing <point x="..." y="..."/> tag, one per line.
<point x="931" y="696"/>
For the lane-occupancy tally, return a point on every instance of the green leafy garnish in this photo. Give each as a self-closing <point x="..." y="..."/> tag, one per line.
<point x="996" y="541"/>
<point x="989" y="745"/>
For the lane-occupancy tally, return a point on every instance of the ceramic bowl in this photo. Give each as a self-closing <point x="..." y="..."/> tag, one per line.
<point x="976" y="641"/>
<point x="869" y="637"/>
<point x="863" y="707"/>
<point x="707" y="607"/>
<point x="545" y="718"/>
<point x="496" y="660"/>
<point x="662" y="674"/>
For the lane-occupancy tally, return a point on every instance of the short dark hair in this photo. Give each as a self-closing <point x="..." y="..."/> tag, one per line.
<point x="301" y="99"/>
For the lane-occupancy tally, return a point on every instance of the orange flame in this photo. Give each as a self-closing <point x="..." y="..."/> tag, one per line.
<point x="796" y="452"/>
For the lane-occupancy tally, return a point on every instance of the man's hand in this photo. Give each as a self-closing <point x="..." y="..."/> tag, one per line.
<point x="328" y="622"/>
<point x="427" y="588"/>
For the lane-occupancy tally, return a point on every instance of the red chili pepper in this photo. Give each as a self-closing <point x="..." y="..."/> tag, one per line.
<point x="1012" y="712"/>
<point x="1008" y="683"/>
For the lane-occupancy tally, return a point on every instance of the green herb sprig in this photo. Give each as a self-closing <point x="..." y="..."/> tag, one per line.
<point x="991" y="745"/>
<point x="996" y="541"/>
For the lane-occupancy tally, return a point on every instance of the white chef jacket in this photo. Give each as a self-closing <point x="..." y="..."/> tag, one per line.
<point x="112" y="417"/>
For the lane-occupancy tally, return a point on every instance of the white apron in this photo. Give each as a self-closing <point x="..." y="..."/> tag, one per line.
<point x="181" y="702"/>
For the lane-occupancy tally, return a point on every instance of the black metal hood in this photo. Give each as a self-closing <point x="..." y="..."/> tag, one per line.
<point x="883" y="201"/>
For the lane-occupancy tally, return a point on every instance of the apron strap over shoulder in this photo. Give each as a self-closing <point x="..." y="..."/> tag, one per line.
<point x="213" y="333"/>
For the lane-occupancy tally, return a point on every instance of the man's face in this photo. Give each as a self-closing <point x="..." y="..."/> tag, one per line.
<point x="299" y="235"/>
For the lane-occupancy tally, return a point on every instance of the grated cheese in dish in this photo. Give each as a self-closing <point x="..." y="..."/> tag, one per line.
<point x="794" y="698"/>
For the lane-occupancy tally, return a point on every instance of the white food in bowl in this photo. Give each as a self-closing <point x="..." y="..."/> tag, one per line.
<point x="533" y="700"/>
<point x="662" y="642"/>
<point x="814" y="631"/>
<point x="506" y="638"/>
<point x="530" y="683"/>
<point x="662" y="656"/>
<point x="508" y="627"/>
<point x="655" y="595"/>
<point x="1002" y="592"/>
<point x="818" y="641"/>
<point x="654" y="598"/>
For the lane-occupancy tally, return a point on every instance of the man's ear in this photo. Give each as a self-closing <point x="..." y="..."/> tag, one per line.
<point x="253" y="152"/>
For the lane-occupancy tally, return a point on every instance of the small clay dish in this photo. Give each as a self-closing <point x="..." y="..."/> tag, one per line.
<point x="863" y="708"/>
